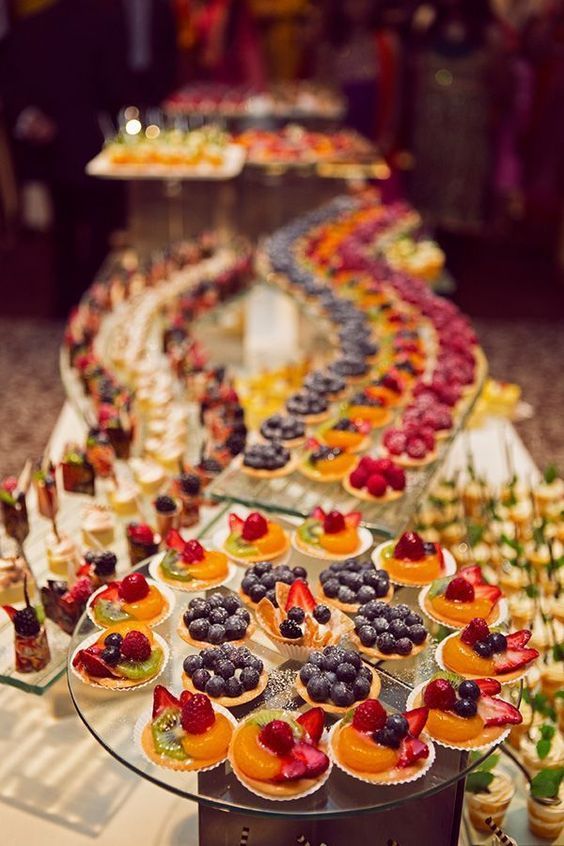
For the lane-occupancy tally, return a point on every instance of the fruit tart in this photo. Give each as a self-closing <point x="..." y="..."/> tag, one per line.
<point x="256" y="538"/>
<point x="411" y="445"/>
<point x="260" y="581"/>
<point x="280" y="754"/>
<point x="364" y="405"/>
<point x="413" y="562"/>
<point x="289" y="431"/>
<point x="298" y="624"/>
<point x="351" y="583"/>
<point x="346" y="434"/>
<point x="335" y="679"/>
<point x="325" y="464"/>
<point x="216" y="619"/>
<point x="465" y="714"/>
<point x="479" y="651"/>
<point x="388" y="632"/>
<point x="188" y="566"/>
<point x="133" y="598"/>
<point x="123" y="656"/>
<point x="454" y="602"/>
<point x="186" y="733"/>
<point x="332" y="536"/>
<point x="378" y="748"/>
<point x="308" y="406"/>
<point x="267" y="461"/>
<point x="376" y="480"/>
<point x="230" y="675"/>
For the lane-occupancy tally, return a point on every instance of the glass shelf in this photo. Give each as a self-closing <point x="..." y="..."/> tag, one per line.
<point x="110" y="717"/>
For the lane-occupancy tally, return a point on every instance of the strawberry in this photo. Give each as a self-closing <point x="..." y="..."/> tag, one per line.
<point x="409" y="547"/>
<point x="518" y="639"/>
<point x="133" y="587"/>
<point x="498" y="712"/>
<point x="300" y="596"/>
<point x="459" y="590"/>
<point x="292" y="769"/>
<point x="312" y="722"/>
<point x="490" y="592"/>
<point x="93" y="664"/>
<point x="514" y="659"/>
<point x="352" y="519"/>
<point x="440" y="694"/>
<point x="236" y="524"/>
<point x="488" y="687"/>
<point x="185" y="697"/>
<point x="254" y="527"/>
<point x="376" y="485"/>
<point x="473" y="575"/>
<point x="334" y="523"/>
<point x="174" y="540"/>
<point x="369" y="716"/>
<point x="416" y="720"/>
<point x="316" y="761"/>
<point x="277" y="736"/>
<point x="411" y="750"/>
<point x="358" y="478"/>
<point x="197" y="714"/>
<point x="193" y="552"/>
<point x="162" y="698"/>
<point x="318" y="513"/>
<point x="477" y="629"/>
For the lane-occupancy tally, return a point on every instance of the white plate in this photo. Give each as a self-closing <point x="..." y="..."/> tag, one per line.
<point x="380" y="564"/>
<point x="154" y="571"/>
<point x="166" y="592"/>
<point x="502" y="611"/>
<point x="366" y="541"/>
<point x="92" y="638"/>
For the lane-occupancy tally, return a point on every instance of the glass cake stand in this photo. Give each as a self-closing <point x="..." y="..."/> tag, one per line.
<point x="425" y="811"/>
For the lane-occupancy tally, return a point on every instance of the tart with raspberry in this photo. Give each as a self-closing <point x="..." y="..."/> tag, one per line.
<point x="256" y="538"/>
<point x="454" y="602"/>
<point x="186" y="733"/>
<point x="375" y="747"/>
<point x="133" y="598"/>
<point x="413" y="562"/>
<point x="188" y="566"/>
<point x="388" y="388"/>
<point x="465" y="714"/>
<point x="125" y="655"/>
<point x="369" y="407"/>
<point x="324" y="463"/>
<point x="350" y="584"/>
<point x="479" y="651"/>
<point x="217" y="619"/>
<point x="411" y="445"/>
<point x="332" y="536"/>
<point x="230" y="675"/>
<point x="280" y="754"/>
<point x="376" y="480"/>
<point x="267" y="461"/>
<point x="335" y="679"/>
<point x="388" y="633"/>
<point x="346" y="434"/>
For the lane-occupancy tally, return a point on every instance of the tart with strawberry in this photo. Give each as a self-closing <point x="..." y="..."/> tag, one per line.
<point x="373" y="746"/>
<point x="387" y="387"/>
<point x="188" y="566"/>
<point x="186" y="733"/>
<point x="411" y="445"/>
<point x="125" y="655"/>
<point x="297" y="623"/>
<point x="465" y="714"/>
<point x="334" y="536"/>
<point x="255" y="538"/>
<point x="479" y="651"/>
<point x="346" y="434"/>
<point x="133" y="598"/>
<point x="376" y="480"/>
<point x="413" y="562"/>
<point x="280" y="754"/>
<point x="370" y="407"/>
<point x="454" y="602"/>
<point x="324" y="463"/>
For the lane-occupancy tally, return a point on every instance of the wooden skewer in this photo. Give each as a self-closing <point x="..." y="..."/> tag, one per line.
<point x="24" y="479"/>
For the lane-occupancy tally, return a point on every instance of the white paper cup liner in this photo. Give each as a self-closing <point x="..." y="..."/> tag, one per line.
<point x="380" y="563"/>
<point x="365" y="538"/>
<point x="88" y="641"/>
<point x="164" y="590"/>
<point x="502" y="612"/>
<point x="440" y="661"/>
<point x="188" y="587"/>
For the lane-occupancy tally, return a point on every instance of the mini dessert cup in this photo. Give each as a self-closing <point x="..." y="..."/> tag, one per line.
<point x="142" y="542"/>
<point x="31" y="649"/>
<point x="63" y="557"/>
<point x="546" y="818"/>
<point x="77" y="472"/>
<point x="491" y="803"/>
<point x="14" y="512"/>
<point x="97" y="526"/>
<point x="168" y="514"/>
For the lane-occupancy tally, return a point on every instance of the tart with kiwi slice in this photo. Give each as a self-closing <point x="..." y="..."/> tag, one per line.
<point x="455" y="601"/>
<point x="132" y="598"/>
<point x="125" y="655"/>
<point x="412" y="562"/>
<point x="255" y="538"/>
<point x="189" y="566"/>
<point x="345" y="433"/>
<point x="332" y="536"/>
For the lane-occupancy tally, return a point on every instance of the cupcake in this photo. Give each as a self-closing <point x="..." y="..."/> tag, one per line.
<point x="97" y="526"/>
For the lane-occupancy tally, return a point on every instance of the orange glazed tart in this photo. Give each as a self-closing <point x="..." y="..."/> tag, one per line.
<point x="465" y="714"/>
<point x="280" y="754"/>
<point x="332" y="536"/>
<point x="413" y="562"/>
<point x="375" y="747"/>
<point x="346" y="434"/>
<point x="324" y="463"/>
<point x="477" y="652"/>
<point x="125" y="655"/>
<point x="186" y="733"/>
<point x="455" y="602"/>
<point x="187" y="566"/>
<point x="132" y="598"/>
<point x="255" y="539"/>
<point x="369" y="407"/>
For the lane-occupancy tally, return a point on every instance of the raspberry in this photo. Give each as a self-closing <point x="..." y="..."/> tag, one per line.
<point x="395" y="441"/>
<point x="277" y="736"/>
<point x="358" y="478"/>
<point x="382" y="465"/>
<point x="416" y="448"/>
<point x="369" y="716"/>
<point x="439" y="694"/>
<point x="254" y="527"/>
<point x="193" y="551"/>
<point x="135" y="646"/>
<point x="376" y="485"/>
<point x="133" y="587"/>
<point x="477" y="629"/>
<point x="334" y="522"/>
<point x="459" y="590"/>
<point x="396" y="478"/>
<point x="81" y="590"/>
<point x="197" y="714"/>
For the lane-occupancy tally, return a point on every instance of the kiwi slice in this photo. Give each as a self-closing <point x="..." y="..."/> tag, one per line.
<point x="136" y="670"/>
<point x="165" y="735"/>
<point x="107" y="611"/>
<point x="174" y="569"/>
<point x="237" y="546"/>
<point x="309" y="532"/>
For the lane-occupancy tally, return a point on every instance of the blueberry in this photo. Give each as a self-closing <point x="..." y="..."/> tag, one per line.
<point x="346" y="672"/>
<point x="299" y="572"/>
<point x="225" y="668"/>
<point x="249" y="582"/>
<point x="365" y="594"/>
<point x="113" y="639"/>
<point x="210" y="657"/>
<point x="200" y="679"/>
<point x="413" y="619"/>
<point x="317" y="658"/>
<point x="351" y="657"/>
<point x="381" y="624"/>
<point x="216" y="600"/>
<point x="249" y="678"/>
<point x="322" y="614"/>
<point x="345" y="595"/>
<point x="360" y="620"/>
<point x="201" y="611"/>
<point x="191" y="664"/>
<point x="257" y="592"/>
<point x="218" y="615"/>
<point x="268" y="581"/>
<point x="386" y="643"/>
<point x="374" y="609"/>
<point x="111" y="654"/>
<point x="199" y="629"/>
<point x="361" y="688"/>
<point x="231" y="603"/>
<point x="498" y="642"/>
<point x="189" y="615"/>
<point x="342" y="695"/>
<point x="290" y="629"/>
<point x="262" y="567"/>
<point x="331" y="588"/>
<point x="417" y="634"/>
<point x="468" y="690"/>
<point x="271" y="596"/>
<point x="403" y="611"/>
<point x="255" y="663"/>
<point x="216" y="633"/>
<point x="367" y="635"/>
<point x="398" y="724"/>
<point x="382" y="588"/>
<point x="286" y="577"/>
<point x="325" y="576"/>
<point x="404" y="646"/>
<point x="354" y="581"/>
<point x="296" y="614"/>
<point x="243" y="613"/>
<point x="392" y="614"/>
<point x="233" y="687"/>
<point x="238" y="657"/>
<point x="215" y="686"/>
<point x="465" y="707"/>
<point x="331" y="677"/>
<point x="199" y="602"/>
<point x="365" y="673"/>
<point x="398" y="628"/>
<point x="318" y="688"/>
<point x="308" y="671"/>
<point x="370" y="577"/>
<point x="386" y="737"/>
<point x="483" y="648"/>
<point x="235" y="628"/>
<point x="331" y="662"/>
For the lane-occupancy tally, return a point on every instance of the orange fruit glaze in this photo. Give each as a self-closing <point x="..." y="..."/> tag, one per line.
<point x="461" y="658"/>
<point x="444" y="725"/>
<point x="359" y="752"/>
<point x="212" y="743"/>
<point x="251" y="757"/>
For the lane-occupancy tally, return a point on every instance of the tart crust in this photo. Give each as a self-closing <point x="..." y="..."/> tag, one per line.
<point x="170" y="763"/>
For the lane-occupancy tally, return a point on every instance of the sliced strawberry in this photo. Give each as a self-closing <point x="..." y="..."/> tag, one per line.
<point x="440" y="556"/>
<point x="518" y="639"/>
<point x="490" y="592"/>
<point x="411" y="750"/>
<point x="416" y="720"/>
<point x="473" y="575"/>
<point x="174" y="540"/>
<point x="236" y="524"/>
<point x="292" y="769"/>
<point x="498" y="712"/>
<point x="312" y="444"/>
<point x="185" y="697"/>
<point x="352" y="519"/>
<point x="316" y="761"/>
<point x="300" y="596"/>
<point x="312" y="722"/>
<point x="93" y="664"/>
<point x="318" y="513"/>
<point x="488" y="687"/>
<point x="514" y="659"/>
<point x="162" y="698"/>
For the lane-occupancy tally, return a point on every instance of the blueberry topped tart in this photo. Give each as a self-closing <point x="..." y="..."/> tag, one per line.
<point x="388" y="632"/>
<point x="231" y="675"/>
<point x="310" y="406"/>
<point x="219" y="618"/>
<point x="287" y="430"/>
<point x="350" y="367"/>
<point x="267" y="460"/>
<point x="325" y="382"/>
<point x="260" y="580"/>
<point x="336" y="679"/>
<point x="351" y="583"/>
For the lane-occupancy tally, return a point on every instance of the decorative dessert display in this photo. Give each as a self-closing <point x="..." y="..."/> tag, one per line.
<point x="142" y="542"/>
<point x="256" y="538"/>
<point x="280" y="754"/>
<point x="373" y="746"/>
<point x="230" y="675"/>
<point x="333" y="535"/>
<point x="289" y="431"/>
<point x="31" y="649"/>
<point x="325" y="464"/>
<point x="187" y="733"/>
<point x="186" y="565"/>
<point x="217" y="619"/>
<point x="260" y="581"/>
<point x="376" y="480"/>
<point x="346" y="434"/>
<point x="132" y="598"/>
<point x="455" y="601"/>
<point x="267" y="461"/>
<point x="411" y="445"/>
<point x="350" y="584"/>
<point x="125" y="655"/>
<point x="388" y="632"/>
<point x="336" y="678"/>
<point x="413" y="562"/>
<point x="478" y="651"/>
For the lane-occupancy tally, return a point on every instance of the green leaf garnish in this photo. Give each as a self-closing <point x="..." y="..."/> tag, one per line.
<point x="546" y="784"/>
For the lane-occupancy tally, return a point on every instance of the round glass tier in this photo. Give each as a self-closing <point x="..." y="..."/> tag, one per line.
<point x="111" y="715"/>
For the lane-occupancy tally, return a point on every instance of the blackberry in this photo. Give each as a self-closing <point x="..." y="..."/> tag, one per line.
<point x="290" y="629"/>
<point x="104" y="563"/>
<point x="26" y="623"/>
<point x="165" y="504"/>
